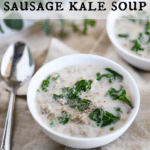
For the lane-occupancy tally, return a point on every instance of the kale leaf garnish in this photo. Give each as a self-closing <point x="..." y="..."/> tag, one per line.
<point x="114" y="73"/>
<point x="45" y="83"/>
<point x="82" y="85"/>
<point x="99" y="77"/>
<point x="72" y="95"/>
<point x="137" y="44"/>
<point x="56" y="97"/>
<point x="124" y="99"/>
<point x="103" y="118"/>
<point x="147" y="30"/>
<point x="65" y="119"/>
<point x="51" y="123"/>
<point x="114" y="93"/>
<point x="55" y="78"/>
<point x="141" y="37"/>
<point x="66" y="89"/>
<point x="134" y="19"/>
<point x="119" y="95"/>
<point x="147" y="27"/>
<point x="111" y="128"/>
<point x="95" y="116"/>
<point x="111" y="75"/>
<point x="108" y="118"/>
<point x="119" y="110"/>
<point x="148" y="42"/>
<point x="82" y="104"/>
<point x="137" y="47"/>
<point x="131" y="18"/>
<point x="123" y="35"/>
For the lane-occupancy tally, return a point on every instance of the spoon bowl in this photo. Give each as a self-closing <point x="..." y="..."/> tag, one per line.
<point x="17" y="64"/>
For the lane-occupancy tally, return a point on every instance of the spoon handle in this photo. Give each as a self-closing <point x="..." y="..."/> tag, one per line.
<point x="7" y="134"/>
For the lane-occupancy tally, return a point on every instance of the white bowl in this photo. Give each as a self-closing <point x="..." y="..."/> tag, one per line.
<point x="136" y="61"/>
<point x="73" y="60"/>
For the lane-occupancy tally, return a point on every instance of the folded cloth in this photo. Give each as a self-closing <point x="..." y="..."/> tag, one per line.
<point x="58" y="49"/>
<point x="28" y="136"/>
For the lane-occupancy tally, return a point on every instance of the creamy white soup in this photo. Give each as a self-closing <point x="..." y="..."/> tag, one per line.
<point x="84" y="101"/>
<point x="133" y="33"/>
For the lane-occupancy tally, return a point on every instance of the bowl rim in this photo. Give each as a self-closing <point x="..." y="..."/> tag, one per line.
<point x="113" y="16"/>
<point x="123" y="128"/>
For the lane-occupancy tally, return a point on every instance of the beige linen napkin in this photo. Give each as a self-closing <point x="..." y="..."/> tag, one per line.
<point x="28" y="136"/>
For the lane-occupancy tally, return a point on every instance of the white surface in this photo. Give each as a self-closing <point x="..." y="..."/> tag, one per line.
<point x="134" y="60"/>
<point x="72" y="60"/>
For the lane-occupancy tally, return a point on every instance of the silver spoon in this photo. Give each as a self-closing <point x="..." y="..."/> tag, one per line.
<point x="16" y="68"/>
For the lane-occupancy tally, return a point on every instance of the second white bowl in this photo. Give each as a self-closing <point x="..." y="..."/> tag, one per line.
<point x="136" y="61"/>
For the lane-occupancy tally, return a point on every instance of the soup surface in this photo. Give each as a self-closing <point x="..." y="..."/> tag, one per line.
<point x="84" y="100"/>
<point x="132" y="31"/>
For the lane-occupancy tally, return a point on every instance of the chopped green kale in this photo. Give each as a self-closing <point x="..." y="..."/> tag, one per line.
<point x="95" y="116"/>
<point x="130" y="18"/>
<point x="147" y="30"/>
<point x="119" y="110"/>
<point x="114" y="93"/>
<point x="51" y="123"/>
<point x="55" y="78"/>
<point x="72" y="95"/>
<point x="45" y="83"/>
<point x="148" y="42"/>
<point x="74" y="27"/>
<point x="99" y="77"/>
<point x="108" y="118"/>
<point x="140" y="13"/>
<point x="147" y="27"/>
<point x="134" y="19"/>
<point x="141" y="37"/>
<point x="65" y="119"/>
<point x="81" y="105"/>
<point x="112" y="75"/>
<point x="119" y="95"/>
<point x="73" y="134"/>
<point x="124" y="99"/>
<point x="137" y="47"/>
<point x="103" y="118"/>
<point x="66" y="89"/>
<point x="111" y="129"/>
<point x="123" y="35"/>
<point x="83" y="85"/>
<point x="56" y="97"/>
